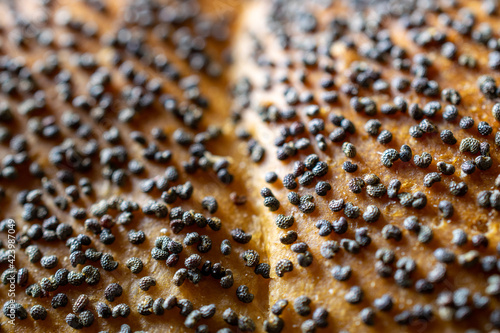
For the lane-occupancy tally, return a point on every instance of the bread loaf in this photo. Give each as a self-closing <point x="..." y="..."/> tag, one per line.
<point x="267" y="166"/>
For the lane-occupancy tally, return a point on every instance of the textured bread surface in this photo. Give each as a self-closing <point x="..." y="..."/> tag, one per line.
<point x="245" y="89"/>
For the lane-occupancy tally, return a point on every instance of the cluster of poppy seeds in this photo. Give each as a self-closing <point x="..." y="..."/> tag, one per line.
<point x="368" y="169"/>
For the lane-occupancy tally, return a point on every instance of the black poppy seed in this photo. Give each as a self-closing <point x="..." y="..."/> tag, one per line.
<point x="311" y="161"/>
<point x="484" y="128"/>
<point x="402" y="278"/>
<point x="263" y="269"/>
<point x="361" y="236"/>
<point x="470" y="145"/>
<point x="325" y="227"/>
<point x="443" y="255"/>
<point x="416" y="131"/>
<point x="81" y="303"/>
<point x="35" y="232"/>
<point x="250" y="257"/>
<point x="367" y="316"/>
<point x="180" y="276"/>
<point x="415" y="111"/>
<point x="289" y="237"/>
<point x="389" y="157"/>
<point x="446" y="209"/>
<point x="225" y="247"/>
<point x="425" y="234"/>
<point x="108" y="263"/>
<point x="200" y="220"/>
<point x="371" y="214"/>
<point x="298" y="168"/>
<point x="244" y="295"/>
<point x="158" y="308"/>
<point x="73" y="321"/>
<point x="77" y="258"/>
<point x="301" y="305"/>
<point x="466" y="122"/>
<point x="423" y="161"/>
<point x="33" y="290"/>
<point x="103" y="310"/>
<point x="169" y="303"/>
<point x="350" y="167"/>
<point x="445" y="169"/>
<point x="483" y="199"/>
<point x="495" y="200"/>
<point x="388" y="109"/>
<point x="450" y="113"/>
<point x="384" y="137"/>
<point x="350" y="245"/>
<point x="308" y="326"/>
<point x="483" y="162"/>
<point x="121" y="310"/>
<point x="147" y="282"/>
<point x="448" y="137"/>
<point x="92" y="275"/>
<point x="372" y="127"/>
<point x="479" y="241"/>
<point x="172" y="260"/>
<point x="354" y="295"/>
<point x="289" y="182"/>
<point x="210" y="204"/>
<point x="390" y="231"/>
<point x="431" y="108"/>
<point x="341" y="273"/>
<point x="419" y="200"/>
<point x="468" y="167"/>
<point x="340" y="226"/>
<point x="61" y="276"/>
<point x="191" y="238"/>
<point x="284" y="222"/>
<point x="227" y="281"/>
<point x="349" y="149"/>
<point x="348" y="126"/>
<point x="272" y="203"/>
<point x="424" y="287"/>
<point x="34" y="254"/>
<point x="192" y="319"/>
<point x="59" y="301"/>
<point x="283" y="266"/>
<point x="214" y="223"/>
<point x="271" y="177"/>
<point x="274" y="324"/>
<point x="230" y="316"/>
<point x="246" y="324"/>
<point x="322" y="188"/>
<point x="294" y="198"/>
<point x="205" y="244"/>
<point x="431" y="178"/>
<point x="376" y="191"/>
<point x="437" y="274"/>
<point x="351" y="211"/>
<point x="306" y="178"/>
<point x="356" y="185"/>
<point x="145" y="305"/>
<point x="135" y="265"/>
<point x="305" y="259"/>
<point x="337" y="135"/>
<point x="49" y="262"/>
<point x="320" y="169"/>
<point x="106" y="237"/>
<point x="299" y="247"/>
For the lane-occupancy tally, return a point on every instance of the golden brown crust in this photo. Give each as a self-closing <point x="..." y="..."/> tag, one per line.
<point x="251" y="28"/>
